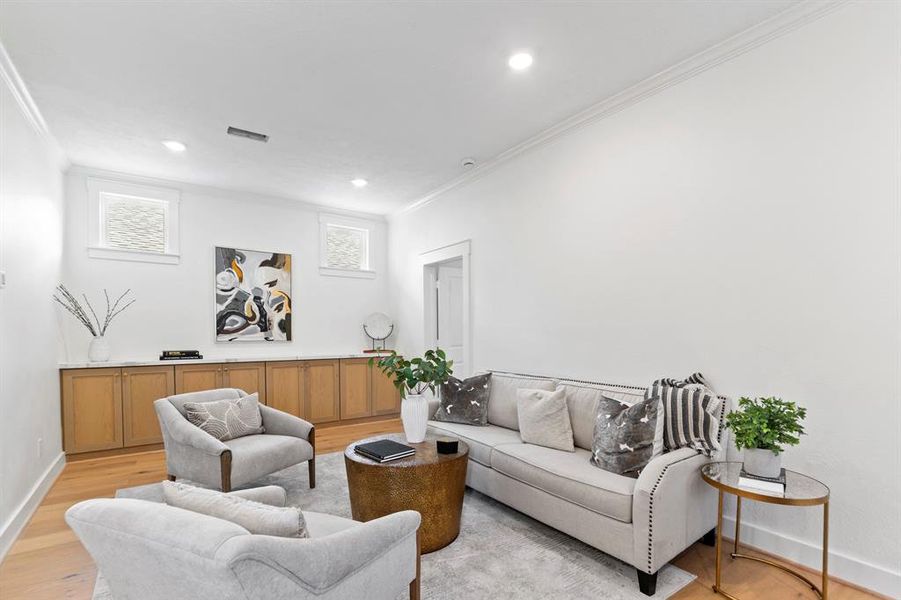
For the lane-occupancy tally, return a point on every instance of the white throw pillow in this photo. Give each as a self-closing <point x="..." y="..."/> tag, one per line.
<point x="255" y="517"/>
<point x="544" y="418"/>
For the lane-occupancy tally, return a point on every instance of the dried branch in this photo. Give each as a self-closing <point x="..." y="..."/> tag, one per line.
<point x="67" y="300"/>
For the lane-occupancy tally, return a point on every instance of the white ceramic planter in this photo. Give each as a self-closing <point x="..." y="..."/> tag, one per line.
<point x="98" y="351"/>
<point x="763" y="463"/>
<point x="414" y="412"/>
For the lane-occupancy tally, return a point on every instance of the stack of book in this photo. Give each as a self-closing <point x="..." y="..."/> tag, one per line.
<point x="773" y="486"/>
<point x="181" y="355"/>
<point x="384" y="450"/>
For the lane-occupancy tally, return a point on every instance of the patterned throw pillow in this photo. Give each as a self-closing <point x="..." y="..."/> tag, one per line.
<point x="227" y="419"/>
<point x="465" y="401"/>
<point x="627" y="438"/>
<point x="692" y="412"/>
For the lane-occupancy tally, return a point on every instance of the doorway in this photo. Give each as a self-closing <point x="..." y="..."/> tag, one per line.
<point x="446" y="304"/>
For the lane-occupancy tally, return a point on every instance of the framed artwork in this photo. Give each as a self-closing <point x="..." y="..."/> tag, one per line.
<point x="253" y="296"/>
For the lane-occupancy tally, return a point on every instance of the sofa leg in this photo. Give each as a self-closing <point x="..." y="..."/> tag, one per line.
<point x="415" y="585"/>
<point x="709" y="538"/>
<point x="311" y="464"/>
<point x="171" y="477"/>
<point x="647" y="582"/>
<point x="225" y="464"/>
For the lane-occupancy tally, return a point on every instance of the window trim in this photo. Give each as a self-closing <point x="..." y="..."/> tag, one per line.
<point x="326" y="219"/>
<point x="96" y="248"/>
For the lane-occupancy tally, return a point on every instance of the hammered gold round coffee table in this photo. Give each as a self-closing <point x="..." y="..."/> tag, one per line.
<point x="428" y="482"/>
<point x="800" y="490"/>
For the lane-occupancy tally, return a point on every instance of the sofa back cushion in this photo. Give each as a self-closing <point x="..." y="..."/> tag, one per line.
<point x="502" y="396"/>
<point x="583" y="400"/>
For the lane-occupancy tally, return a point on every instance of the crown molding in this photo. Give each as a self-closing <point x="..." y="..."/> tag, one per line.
<point x="10" y="76"/>
<point x="765" y="31"/>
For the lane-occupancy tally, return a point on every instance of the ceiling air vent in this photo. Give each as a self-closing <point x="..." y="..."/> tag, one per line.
<point x="251" y="135"/>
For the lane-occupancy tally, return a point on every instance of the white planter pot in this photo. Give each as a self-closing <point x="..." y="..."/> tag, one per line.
<point x="763" y="463"/>
<point x="414" y="412"/>
<point x="98" y="351"/>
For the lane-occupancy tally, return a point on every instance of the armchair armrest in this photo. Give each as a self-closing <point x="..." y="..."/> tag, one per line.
<point x="672" y="508"/>
<point x="281" y="423"/>
<point x="179" y="430"/>
<point x="317" y="564"/>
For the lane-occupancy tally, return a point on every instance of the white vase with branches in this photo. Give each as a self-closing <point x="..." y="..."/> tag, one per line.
<point x="99" y="350"/>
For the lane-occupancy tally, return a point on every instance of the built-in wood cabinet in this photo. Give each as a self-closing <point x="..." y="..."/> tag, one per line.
<point x="92" y="409"/>
<point x="141" y="387"/>
<point x="112" y="408"/>
<point x="323" y="389"/>
<point x="356" y="397"/>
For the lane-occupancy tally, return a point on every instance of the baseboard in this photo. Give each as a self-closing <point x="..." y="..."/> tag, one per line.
<point x="10" y="530"/>
<point x="847" y="568"/>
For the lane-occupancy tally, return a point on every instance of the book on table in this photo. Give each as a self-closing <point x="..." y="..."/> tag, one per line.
<point x="384" y="450"/>
<point x="774" y="486"/>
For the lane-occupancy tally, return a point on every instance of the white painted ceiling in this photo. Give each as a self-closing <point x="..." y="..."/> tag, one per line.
<point x="395" y="92"/>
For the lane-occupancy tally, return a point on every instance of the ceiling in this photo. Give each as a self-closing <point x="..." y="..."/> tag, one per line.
<point x="393" y="92"/>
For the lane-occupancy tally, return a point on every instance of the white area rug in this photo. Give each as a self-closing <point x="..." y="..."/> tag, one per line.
<point x="501" y="554"/>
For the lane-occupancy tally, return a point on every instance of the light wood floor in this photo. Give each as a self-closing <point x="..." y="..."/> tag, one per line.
<point x="48" y="562"/>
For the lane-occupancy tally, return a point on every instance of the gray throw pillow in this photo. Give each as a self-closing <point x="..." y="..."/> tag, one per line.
<point x="544" y="418"/>
<point x="255" y="517"/>
<point x="227" y="419"/>
<point x="627" y="438"/>
<point x="465" y="401"/>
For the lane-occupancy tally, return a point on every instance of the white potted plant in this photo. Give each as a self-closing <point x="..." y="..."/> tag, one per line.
<point x="99" y="350"/>
<point x="761" y="428"/>
<point x="412" y="378"/>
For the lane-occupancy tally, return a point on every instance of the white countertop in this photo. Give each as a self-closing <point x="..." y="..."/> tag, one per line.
<point x="207" y="360"/>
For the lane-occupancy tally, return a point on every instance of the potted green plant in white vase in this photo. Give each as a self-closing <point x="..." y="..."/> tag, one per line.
<point x="412" y="378"/>
<point x="761" y="428"/>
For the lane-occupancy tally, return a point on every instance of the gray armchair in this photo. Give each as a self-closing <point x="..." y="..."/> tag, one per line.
<point x="192" y="453"/>
<point x="151" y="551"/>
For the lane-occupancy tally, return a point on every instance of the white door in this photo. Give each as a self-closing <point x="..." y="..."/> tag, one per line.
<point x="449" y="313"/>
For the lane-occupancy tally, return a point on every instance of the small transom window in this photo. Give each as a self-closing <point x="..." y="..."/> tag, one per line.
<point x="344" y="246"/>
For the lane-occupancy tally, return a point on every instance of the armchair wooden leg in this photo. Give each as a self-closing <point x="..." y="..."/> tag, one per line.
<point x="415" y="584"/>
<point x="171" y="477"/>
<point x="311" y="464"/>
<point x="225" y="463"/>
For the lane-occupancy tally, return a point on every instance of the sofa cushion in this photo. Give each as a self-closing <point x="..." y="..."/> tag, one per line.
<point x="544" y="418"/>
<point x="627" y="438"/>
<point x="254" y="455"/>
<point x="502" y="396"/>
<point x="464" y="401"/>
<point x="582" y="402"/>
<point x="480" y="439"/>
<point x="567" y="475"/>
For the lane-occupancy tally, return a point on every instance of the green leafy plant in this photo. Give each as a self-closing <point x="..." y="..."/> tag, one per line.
<point x="766" y="423"/>
<point x="417" y="375"/>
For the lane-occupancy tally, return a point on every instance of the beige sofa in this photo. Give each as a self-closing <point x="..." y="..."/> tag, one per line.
<point x="645" y="521"/>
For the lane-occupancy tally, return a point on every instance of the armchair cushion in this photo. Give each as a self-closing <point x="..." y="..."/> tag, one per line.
<point x="256" y="455"/>
<point x="255" y="517"/>
<point x="228" y="418"/>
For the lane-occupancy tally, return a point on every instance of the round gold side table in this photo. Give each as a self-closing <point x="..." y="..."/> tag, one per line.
<point x="428" y="482"/>
<point x="800" y="490"/>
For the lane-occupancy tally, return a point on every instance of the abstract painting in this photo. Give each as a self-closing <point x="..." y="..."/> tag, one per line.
<point x="253" y="296"/>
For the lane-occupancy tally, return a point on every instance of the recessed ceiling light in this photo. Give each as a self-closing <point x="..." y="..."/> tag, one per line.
<point x="174" y="146"/>
<point x="520" y="61"/>
<point x="359" y="182"/>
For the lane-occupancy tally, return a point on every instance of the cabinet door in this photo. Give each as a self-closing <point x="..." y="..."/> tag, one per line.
<point x="355" y="388"/>
<point x="385" y="397"/>
<point x="322" y="391"/>
<point x="92" y="409"/>
<point x="250" y="377"/>
<point x="196" y="378"/>
<point x="141" y="387"/>
<point x="285" y="387"/>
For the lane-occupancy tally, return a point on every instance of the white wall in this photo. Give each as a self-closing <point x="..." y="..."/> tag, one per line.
<point x="175" y="303"/>
<point x="744" y="223"/>
<point x="31" y="216"/>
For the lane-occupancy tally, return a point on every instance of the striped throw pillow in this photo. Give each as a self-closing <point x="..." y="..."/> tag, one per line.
<point x="691" y="413"/>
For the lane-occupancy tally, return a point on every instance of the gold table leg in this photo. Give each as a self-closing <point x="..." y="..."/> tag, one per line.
<point x="821" y="592"/>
